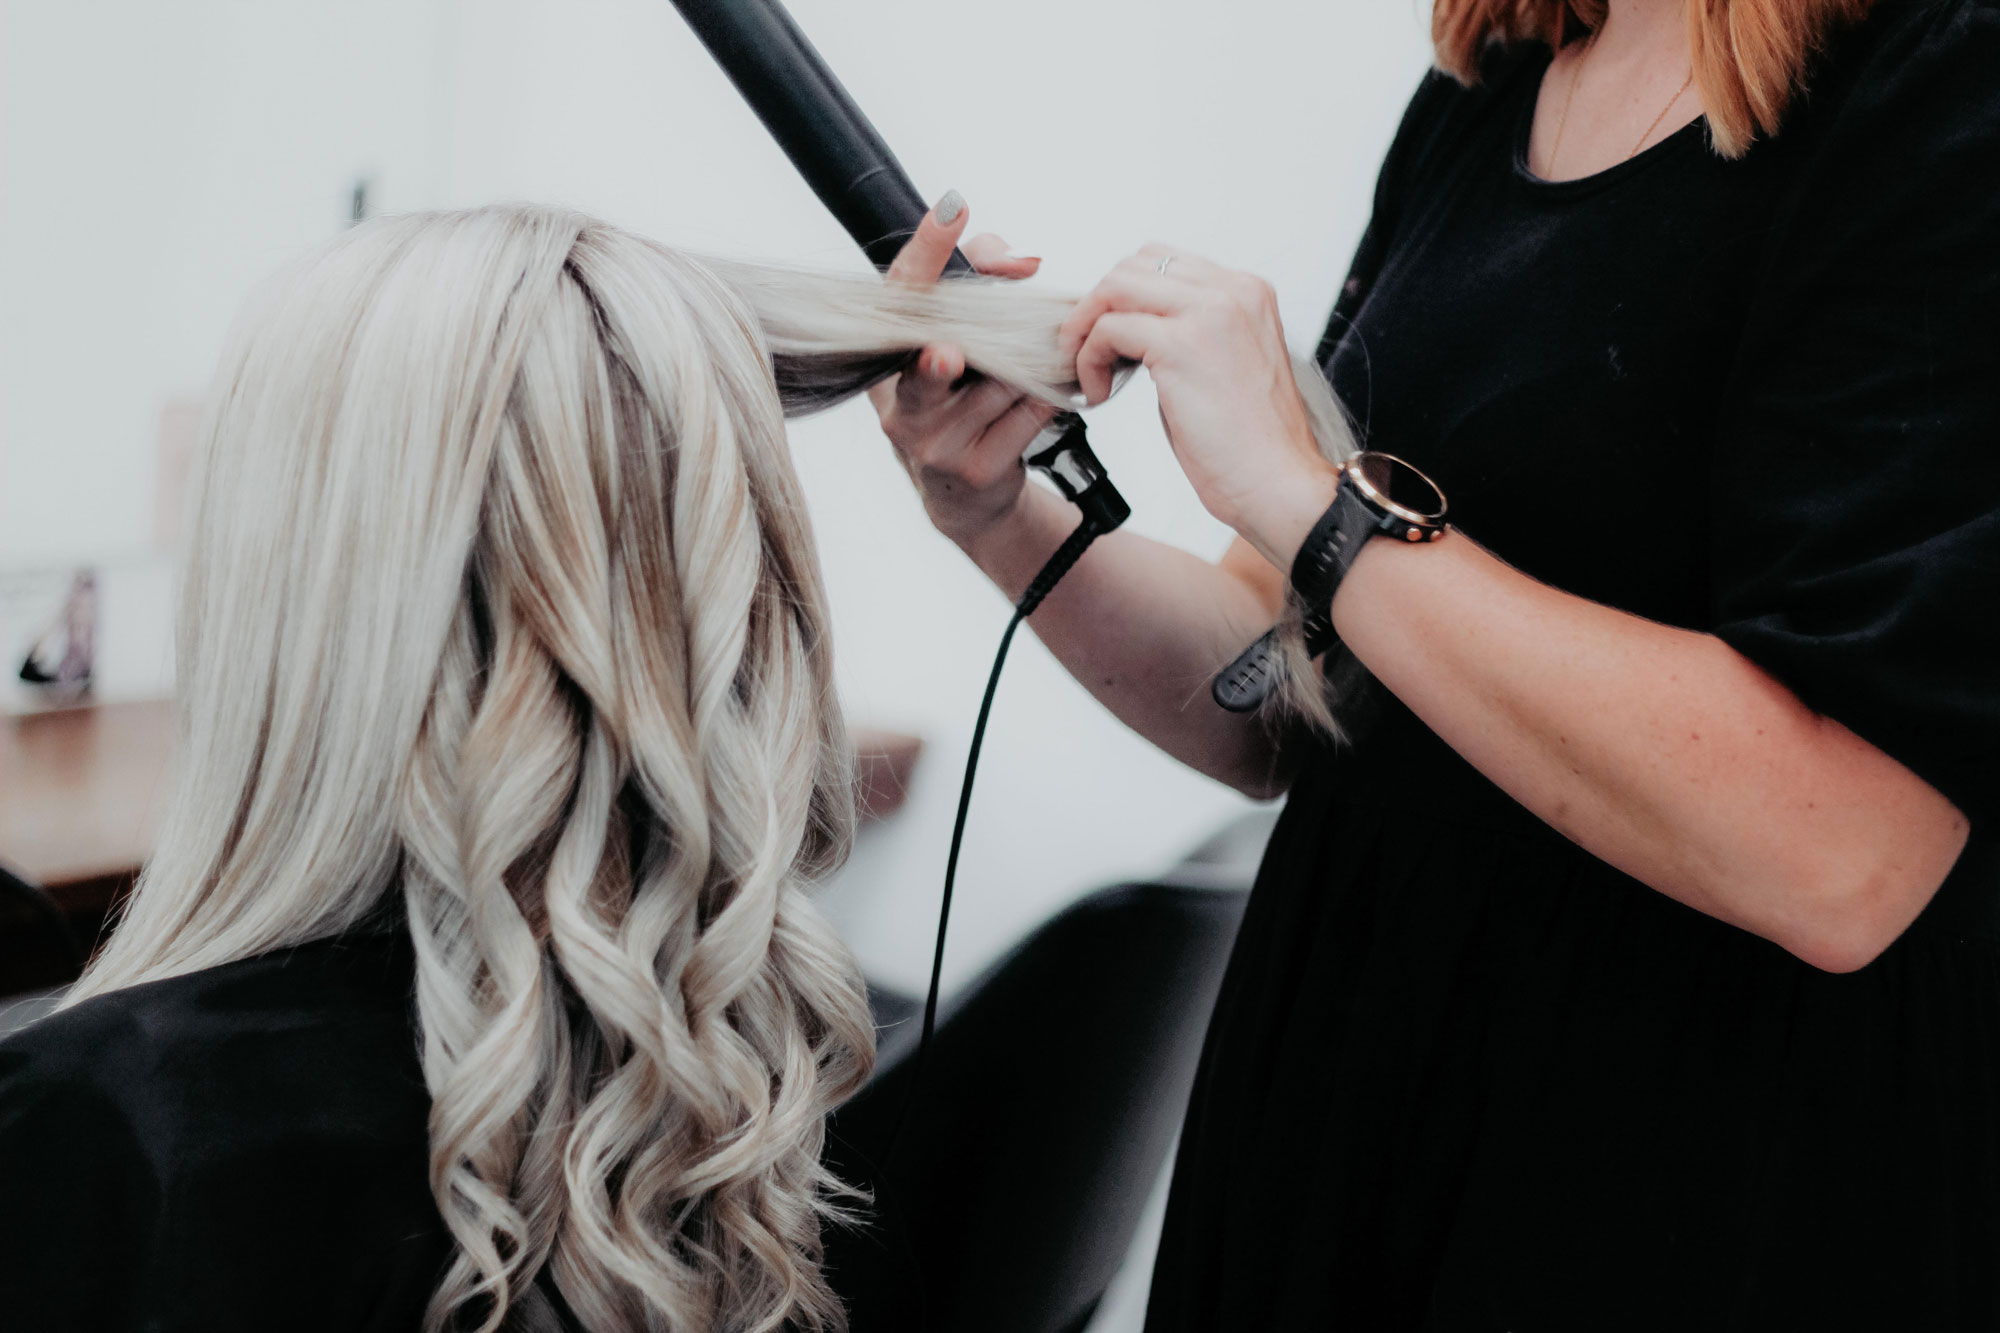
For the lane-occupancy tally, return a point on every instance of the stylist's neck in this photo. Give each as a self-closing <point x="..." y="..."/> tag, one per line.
<point x="1632" y="28"/>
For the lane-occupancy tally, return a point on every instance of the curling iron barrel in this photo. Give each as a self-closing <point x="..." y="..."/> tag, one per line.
<point x="866" y="189"/>
<point x="814" y="121"/>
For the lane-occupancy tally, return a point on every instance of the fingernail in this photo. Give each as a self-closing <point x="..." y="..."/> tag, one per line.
<point x="1024" y="259"/>
<point x="948" y="208"/>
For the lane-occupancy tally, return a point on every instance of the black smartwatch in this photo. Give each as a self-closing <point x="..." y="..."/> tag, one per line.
<point x="1378" y="495"/>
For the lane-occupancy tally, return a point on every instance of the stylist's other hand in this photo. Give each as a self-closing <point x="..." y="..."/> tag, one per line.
<point x="1211" y="339"/>
<point x="959" y="437"/>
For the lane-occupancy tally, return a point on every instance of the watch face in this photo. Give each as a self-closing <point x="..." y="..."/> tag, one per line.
<point x="1391" y="482"/>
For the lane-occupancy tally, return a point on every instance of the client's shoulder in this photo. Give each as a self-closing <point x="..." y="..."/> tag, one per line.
<point x="215" y="1144"/>
<point x="289" y="1038"/>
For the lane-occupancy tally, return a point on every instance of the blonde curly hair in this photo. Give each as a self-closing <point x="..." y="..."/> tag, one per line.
<point x="501" y="603"/>
<point x="501" y="598"/>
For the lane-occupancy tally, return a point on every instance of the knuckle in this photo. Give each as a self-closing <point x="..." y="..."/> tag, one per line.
<point x="1252" y="290"/>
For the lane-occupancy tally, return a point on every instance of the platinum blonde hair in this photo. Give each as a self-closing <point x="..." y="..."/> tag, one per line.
<point x="501" y="608"/>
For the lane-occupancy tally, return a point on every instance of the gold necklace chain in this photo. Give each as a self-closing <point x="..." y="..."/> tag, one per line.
<point x="1562" y="121"/>
<point x="1686" y="84"/>
<point x="1569" y="96"/>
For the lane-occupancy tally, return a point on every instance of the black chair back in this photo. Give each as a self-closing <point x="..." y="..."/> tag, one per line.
<point x="38" y="950"/>
<point x="1051" y="1094"/>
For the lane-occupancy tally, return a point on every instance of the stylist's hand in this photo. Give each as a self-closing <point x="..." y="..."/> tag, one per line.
<point x="961" y="443"/>
<point x="1211" y="339"/>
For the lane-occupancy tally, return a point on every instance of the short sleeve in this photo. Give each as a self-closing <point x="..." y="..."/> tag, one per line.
<point x="1856" y="476"/>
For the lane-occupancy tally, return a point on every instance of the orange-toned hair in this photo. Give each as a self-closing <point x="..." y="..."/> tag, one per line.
<point x="1750" y="56"/>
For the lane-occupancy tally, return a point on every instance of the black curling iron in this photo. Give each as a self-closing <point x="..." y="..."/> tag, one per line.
<point x="859" y="180"/>
<point x="866" y="189"/>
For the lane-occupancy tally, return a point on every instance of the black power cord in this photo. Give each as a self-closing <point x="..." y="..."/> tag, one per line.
<point x="1104" y="509"/>
<point x="1051" y="573"/>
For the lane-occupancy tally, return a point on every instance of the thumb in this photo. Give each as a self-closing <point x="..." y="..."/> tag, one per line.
<point x="924" y="255"/>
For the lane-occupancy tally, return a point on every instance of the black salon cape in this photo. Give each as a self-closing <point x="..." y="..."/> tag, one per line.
<point x="1463" y="1076"/>
<point x="239" y="1150"/>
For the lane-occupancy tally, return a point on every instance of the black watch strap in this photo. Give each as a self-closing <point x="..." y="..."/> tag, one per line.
<point x="1325" y="556"/>
<point x="1330" y="548"/>
<point x="1248" y="681"/>
<point x="1245" y="683"/>
<point x="1322" y="561"/>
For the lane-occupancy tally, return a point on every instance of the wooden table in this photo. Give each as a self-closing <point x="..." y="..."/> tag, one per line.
<point x="81" y="790"/>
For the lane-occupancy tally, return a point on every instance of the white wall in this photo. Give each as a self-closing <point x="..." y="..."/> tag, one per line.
<point x="154" y="159"/>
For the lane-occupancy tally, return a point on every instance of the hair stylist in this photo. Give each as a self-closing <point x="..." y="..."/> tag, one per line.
<point x="1637" y="963"/>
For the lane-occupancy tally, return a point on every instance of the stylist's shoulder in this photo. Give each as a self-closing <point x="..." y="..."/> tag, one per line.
<point x="1910" y="96"/>
<point x="1456" y="103"/>
<point x="1895" y="142"/>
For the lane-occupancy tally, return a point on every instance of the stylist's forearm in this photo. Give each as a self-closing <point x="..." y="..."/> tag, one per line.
<point x="1660" y="750"/>
<point x="1143" y="626"/>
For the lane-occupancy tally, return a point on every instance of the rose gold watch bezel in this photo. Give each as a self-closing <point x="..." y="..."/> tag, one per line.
<point x="1352" y="471"/>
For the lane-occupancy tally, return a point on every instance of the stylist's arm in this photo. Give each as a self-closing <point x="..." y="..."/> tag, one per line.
<point x="1142" y="625"/>
<point x="1661" y="751"/>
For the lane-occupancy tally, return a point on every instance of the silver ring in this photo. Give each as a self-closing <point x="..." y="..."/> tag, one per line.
<point x="1160" y="270"/>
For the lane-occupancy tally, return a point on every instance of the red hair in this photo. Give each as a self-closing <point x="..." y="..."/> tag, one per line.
<point x="1750" y="56"/>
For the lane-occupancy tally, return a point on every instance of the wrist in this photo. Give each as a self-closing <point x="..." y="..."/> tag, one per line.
<point x="974" y="530"/>
<point x="1011" y="549"/>
<point x="1372" y="495"/>
<point x="1284" y="512"/>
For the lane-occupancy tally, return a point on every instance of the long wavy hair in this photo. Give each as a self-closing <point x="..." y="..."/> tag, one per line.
<point x="1751" y="57"/>
<point x="501" y="609"/>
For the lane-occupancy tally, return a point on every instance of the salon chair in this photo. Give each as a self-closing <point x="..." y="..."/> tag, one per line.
<point x="37" y="947"/>
<point x="1048" y="1101"/>
<point x="38" y="951"/>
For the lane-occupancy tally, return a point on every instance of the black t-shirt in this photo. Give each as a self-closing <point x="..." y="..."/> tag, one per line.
<point x="1463" y="1075"/>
